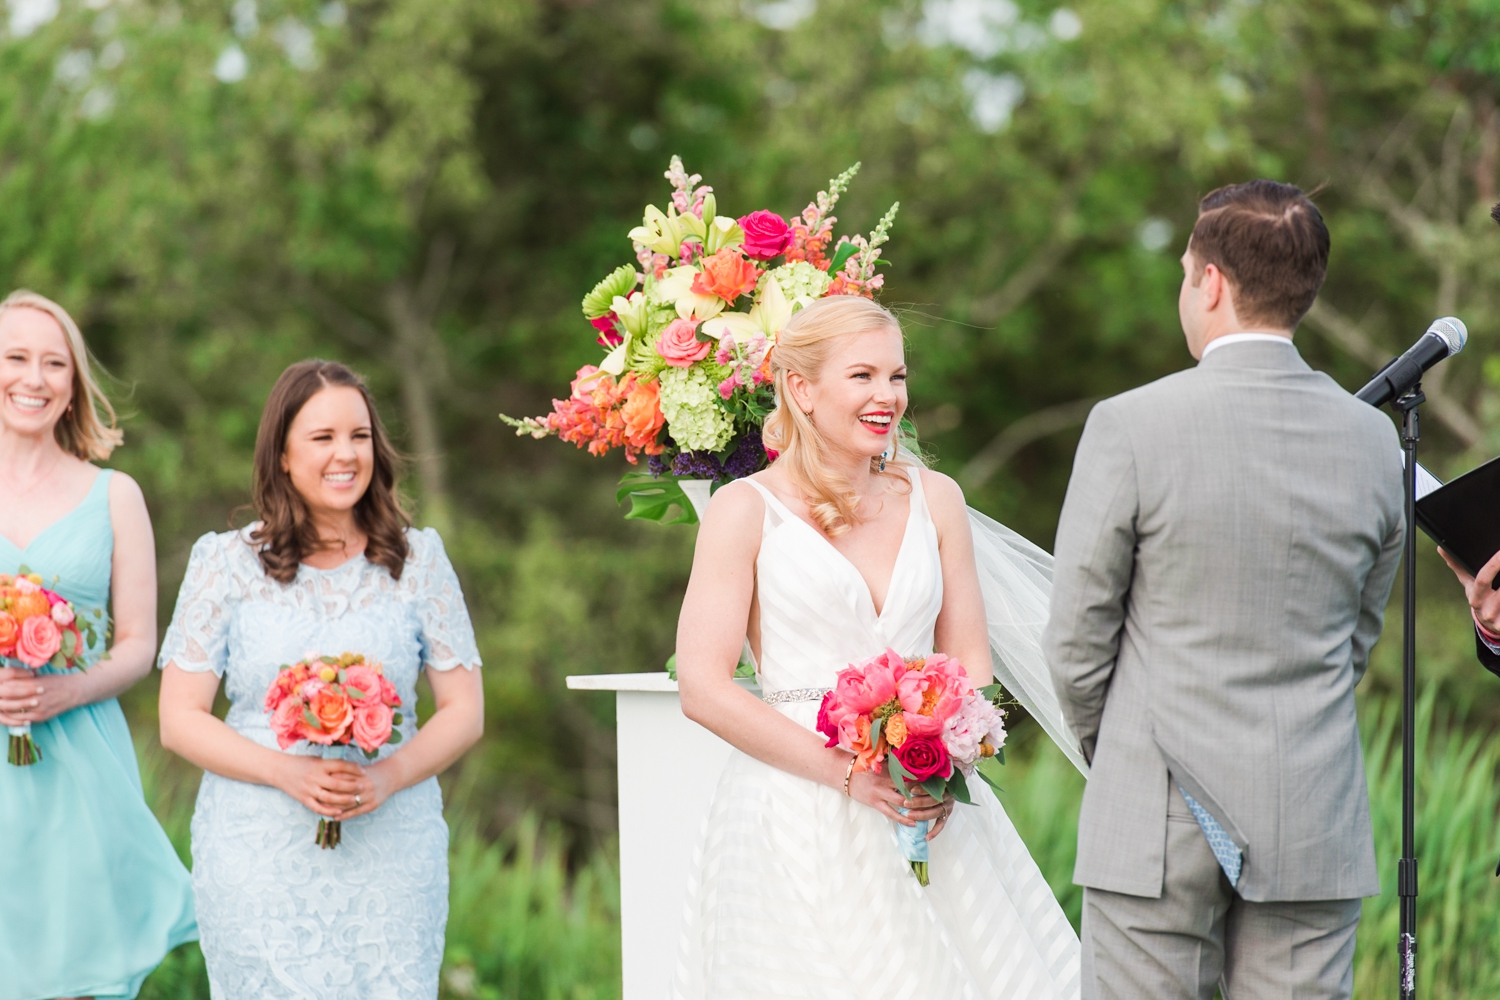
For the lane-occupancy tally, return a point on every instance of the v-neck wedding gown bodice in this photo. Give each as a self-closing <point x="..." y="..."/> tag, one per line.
<point x="800" y="891"/>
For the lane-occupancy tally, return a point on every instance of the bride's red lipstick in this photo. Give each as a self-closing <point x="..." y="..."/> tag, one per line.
<point x="875" y="428"/>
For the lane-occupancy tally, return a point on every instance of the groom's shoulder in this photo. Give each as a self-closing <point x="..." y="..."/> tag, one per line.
<point x="1165" y="393"/>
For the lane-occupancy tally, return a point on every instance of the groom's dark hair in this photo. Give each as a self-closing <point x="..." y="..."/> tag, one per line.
<point x="1269" y="240"/>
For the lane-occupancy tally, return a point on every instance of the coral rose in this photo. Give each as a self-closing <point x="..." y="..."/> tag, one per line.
<point x="287" y="722"/>
<point x="365" y="681"/>
<point x="334" y="713"/>
<point x="642" y="413"/>
<point x="10" y="631"/>
<point x="726" y="274"/>
<point x="924" y="757"/>
<point x="39" y="641"/>
<point x="679" y="346"/>
<point x="388" y="692"/>
<point x="766" y="235"/>
<point x="372" y="726"/>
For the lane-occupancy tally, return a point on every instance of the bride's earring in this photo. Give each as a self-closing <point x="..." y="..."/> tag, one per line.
<point x="882" y="461"/>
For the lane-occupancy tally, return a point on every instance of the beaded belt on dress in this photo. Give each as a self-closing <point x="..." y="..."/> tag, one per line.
<point x="795" y="694"/>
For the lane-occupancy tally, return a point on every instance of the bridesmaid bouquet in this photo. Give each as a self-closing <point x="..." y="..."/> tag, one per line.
<point x="685" y="332"/>
<point x="922" y="718"/>
<point x="38" y="628"/>
<point x="334" y="701"/>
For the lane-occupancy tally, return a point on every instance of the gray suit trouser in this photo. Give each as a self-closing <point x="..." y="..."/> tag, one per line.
<point x="1200" y="935"/>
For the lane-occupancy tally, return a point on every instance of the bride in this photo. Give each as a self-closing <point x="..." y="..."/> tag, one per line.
<point x="844" y="547"/>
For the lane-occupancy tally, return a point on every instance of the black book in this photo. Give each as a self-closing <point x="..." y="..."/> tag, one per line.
<point x="1462" y="516"/>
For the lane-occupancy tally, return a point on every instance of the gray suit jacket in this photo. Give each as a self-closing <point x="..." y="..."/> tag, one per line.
<point x="1225" y="553"/>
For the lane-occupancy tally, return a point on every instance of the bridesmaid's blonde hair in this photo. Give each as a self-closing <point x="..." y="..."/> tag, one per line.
<point x="89" y="428"/>
<point x="803" y="347"/>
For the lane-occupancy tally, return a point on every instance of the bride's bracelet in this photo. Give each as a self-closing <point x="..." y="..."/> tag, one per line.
<point x="849" y="774"/>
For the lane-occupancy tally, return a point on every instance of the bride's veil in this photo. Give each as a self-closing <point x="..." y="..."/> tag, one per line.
<point x="1016" y="578"/>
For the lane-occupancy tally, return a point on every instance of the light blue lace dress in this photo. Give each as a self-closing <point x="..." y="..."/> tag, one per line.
<point x="92" y="895"/>
<point x="279" y="917"/>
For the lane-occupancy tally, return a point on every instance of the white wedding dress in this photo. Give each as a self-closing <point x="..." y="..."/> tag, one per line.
<point x="800" y="891"/>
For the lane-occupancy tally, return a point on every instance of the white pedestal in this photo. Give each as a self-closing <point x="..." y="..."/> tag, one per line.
<point x="669" y="767"/>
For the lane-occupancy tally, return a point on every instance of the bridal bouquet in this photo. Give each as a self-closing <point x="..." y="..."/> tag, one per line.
<point x="922" y="718"/>
<point x="687" y="330"/>
<point x="38" y="628"/>
<point x="334" y="701"/>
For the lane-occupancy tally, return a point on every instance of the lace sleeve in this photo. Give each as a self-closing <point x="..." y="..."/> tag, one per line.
<point x="197" y="638"/>
<point x="447" y="634"/>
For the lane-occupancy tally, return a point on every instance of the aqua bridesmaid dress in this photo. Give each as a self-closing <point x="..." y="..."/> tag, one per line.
<point x="92" y="895"/>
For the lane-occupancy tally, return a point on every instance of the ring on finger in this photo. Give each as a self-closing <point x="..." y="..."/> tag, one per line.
<point x="358" y="801"/>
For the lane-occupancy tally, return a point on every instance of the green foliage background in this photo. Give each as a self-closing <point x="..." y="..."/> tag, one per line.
<point x="425" y="190"/>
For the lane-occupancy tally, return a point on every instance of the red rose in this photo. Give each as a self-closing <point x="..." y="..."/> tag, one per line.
<point x="924" y="757"/>
<point x="766" y="235"/>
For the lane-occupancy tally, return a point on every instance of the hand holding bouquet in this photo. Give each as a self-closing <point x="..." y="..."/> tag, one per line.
<point x="922" y="718"/>
<point x="38" y="628"/>
<point x="334" y="701"/>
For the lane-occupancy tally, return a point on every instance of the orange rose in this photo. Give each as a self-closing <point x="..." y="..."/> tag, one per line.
<point x="895" y="729"/>
<point x="334" y="713"/>
<point x="642" y="414"/>
<point x="9" y="631"/>
<point x="24" y="606"/>
<point x="726" y="274"/>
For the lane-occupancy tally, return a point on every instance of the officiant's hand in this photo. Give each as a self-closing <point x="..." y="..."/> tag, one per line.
<point x="1484" y="599"/>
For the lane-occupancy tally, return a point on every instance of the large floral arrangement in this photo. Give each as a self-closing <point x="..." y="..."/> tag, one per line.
<point x="688" y="331"/>
<point x="333" y="701"/>
<point x="921" y="718"/>
<point x="38" y="628"/>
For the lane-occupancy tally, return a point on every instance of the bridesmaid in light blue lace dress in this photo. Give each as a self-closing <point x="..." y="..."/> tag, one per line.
<point x="280" y="917"/>
<point x="92" y="894"/>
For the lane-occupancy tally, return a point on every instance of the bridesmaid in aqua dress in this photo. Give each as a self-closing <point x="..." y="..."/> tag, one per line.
<point x="92" y="896"/>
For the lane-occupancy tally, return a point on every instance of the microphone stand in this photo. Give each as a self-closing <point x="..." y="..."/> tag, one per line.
<point x="1406" y="867"/>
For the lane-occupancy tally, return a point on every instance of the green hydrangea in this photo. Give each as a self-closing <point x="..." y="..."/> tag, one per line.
<point x="690" y="402"/>
<point x="798" y="280"/>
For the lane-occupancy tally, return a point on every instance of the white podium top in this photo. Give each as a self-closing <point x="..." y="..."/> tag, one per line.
<point x="657" y="680"/>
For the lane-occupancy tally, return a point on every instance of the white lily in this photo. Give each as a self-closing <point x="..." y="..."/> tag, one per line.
<point x="723" y="232"/>
<point x="633" y="313"/>
<point x="614" y="361"/>
<point x="769" y="314"/>
<point x="660" y="232"/>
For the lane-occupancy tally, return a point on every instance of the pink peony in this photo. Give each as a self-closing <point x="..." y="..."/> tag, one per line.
<point x="826" y="725"/>
<point x="975" y="721"/>
<point x="39" y="641"/>
<point x="766" y="235"/>
<point x="287" y="722"/>
<point x="924" y="757"/>
<point x="679" y="345"/>
<point x="365" y="681"/>
<point x="62" y="613"/>
<point x="932" y="692"/>
<point x="866" y="686"/>
<point x="372" y="725"/>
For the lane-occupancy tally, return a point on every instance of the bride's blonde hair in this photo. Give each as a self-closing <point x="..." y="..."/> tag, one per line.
<point x="803" y="347"/>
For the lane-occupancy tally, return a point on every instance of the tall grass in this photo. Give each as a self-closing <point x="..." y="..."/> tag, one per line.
<point x="522" y="924"/>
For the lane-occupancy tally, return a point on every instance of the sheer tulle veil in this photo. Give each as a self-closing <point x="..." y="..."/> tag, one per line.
<point x="1016" y="578"/>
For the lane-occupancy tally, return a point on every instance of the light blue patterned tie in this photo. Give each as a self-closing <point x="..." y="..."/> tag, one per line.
<point x="1228" y="853"/>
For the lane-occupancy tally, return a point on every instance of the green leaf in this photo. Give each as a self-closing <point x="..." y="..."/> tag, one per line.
<point x="353" y="692"/>
<point x="652" y="499"/>
<point x="69" y="645"/>
<point x="899" y="774"/>
<point x="875" y="728"/>
<point x="312" y="720"/>
<point x="959" y="786"/>
<point x="395" y="718"/>
<point x="988" y="770"/>
<point x="58" y="661"/>
<point x="672" y="666"/>
<point x="598" y="302"/>
<point x="937" y="787"/>
<point x="395" y="737"/>
<point x="841" y="256"/>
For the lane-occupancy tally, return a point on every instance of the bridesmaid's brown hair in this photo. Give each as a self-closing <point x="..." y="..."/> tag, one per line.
<point x="286" y="534"/>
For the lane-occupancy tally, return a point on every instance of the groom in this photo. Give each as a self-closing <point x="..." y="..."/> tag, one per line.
<point x="1226" y="549"/>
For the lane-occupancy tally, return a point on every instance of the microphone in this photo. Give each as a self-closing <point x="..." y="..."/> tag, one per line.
<point x="1443" y="339"/>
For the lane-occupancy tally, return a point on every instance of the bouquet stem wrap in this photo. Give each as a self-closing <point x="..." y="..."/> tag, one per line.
<point x="913" y="841"/>
<point x="330" y="831"/>
<point x="23" y="751"/>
